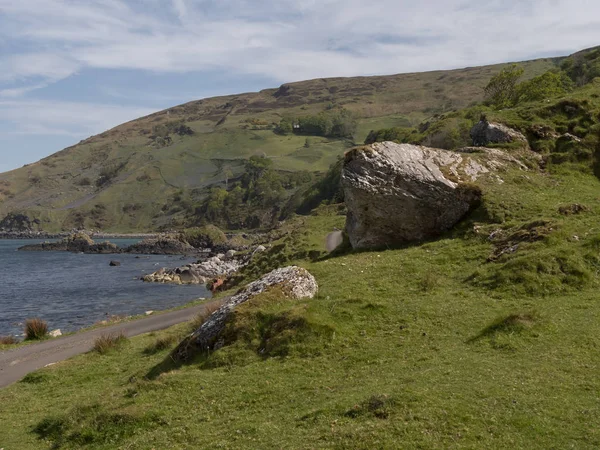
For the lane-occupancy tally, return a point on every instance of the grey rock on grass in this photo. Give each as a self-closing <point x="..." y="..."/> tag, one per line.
<point x="484" y="133"/>
<point x="297" y="282"/>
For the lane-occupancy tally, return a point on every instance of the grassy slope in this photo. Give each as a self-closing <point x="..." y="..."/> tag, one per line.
<point x="52" y="189"/>
<point x="410" y="347"/>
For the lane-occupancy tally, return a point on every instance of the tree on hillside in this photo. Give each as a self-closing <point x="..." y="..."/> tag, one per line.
<point x="547" y="85"/>
<point x="284" y="127"/>
<point x="501" y="90"/>
<point x="254" y="168"/>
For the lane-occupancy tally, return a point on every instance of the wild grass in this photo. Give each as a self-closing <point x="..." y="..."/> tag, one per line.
<point x="92" y="425"/>
<point x="106" y="343"/>
<point x="160" y="344"/>
<point x="203" y="316"/>
<point x="8" y="340"/>
<point x="35" y="329"/>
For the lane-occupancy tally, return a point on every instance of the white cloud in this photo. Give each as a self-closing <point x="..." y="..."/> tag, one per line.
<point x="290" y="40"/>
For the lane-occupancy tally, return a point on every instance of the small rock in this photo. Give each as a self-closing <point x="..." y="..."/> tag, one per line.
<point x="55" y="333"/>
<point x="484" y="133"/>
<point x="259" y="249"/>
<point x="114" y="263"/>
<point x="149" y="313"/>
<point x="299" y="283"/>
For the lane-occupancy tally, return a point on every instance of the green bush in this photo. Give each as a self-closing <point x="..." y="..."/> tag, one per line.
<point x="209" y="236"/>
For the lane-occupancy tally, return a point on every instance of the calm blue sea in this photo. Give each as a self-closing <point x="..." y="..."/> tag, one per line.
<point x="71" y="291"/>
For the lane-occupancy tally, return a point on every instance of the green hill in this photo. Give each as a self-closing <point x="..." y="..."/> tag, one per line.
<point x="155" y="171"/>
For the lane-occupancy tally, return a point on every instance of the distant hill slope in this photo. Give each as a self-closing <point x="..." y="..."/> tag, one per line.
<point x="134" y="177"/>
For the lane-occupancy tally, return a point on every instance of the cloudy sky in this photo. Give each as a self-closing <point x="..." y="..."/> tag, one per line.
<point x="73" y="68"/>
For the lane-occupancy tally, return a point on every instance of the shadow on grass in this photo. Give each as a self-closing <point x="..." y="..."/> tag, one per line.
<point x="184" y="354"/>
<point x="511" y="324"/>
<point x="91" y="425"/>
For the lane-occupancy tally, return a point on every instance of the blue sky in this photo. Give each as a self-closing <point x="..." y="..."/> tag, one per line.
<point x="70" y="69"/>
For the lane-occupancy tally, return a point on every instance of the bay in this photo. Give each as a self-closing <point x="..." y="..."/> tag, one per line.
<point x="71" y="291"/>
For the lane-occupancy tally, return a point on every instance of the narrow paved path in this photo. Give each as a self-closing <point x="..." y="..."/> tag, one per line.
<point x="15" y="364"/>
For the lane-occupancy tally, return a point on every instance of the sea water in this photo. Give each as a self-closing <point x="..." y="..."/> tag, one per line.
<point x="72" y="290"/>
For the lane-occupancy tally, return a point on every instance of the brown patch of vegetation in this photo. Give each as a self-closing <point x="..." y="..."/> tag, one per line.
<point x="35" y="329"/>
<point x="575" y="208"/>
<point x="471" y="193"/>
<point x="8" y="340"/>
<point x="508" y="241"/>
<point x="108" y="342"/>
<point x="204" y="315"/>
<point x="216" y="285"/>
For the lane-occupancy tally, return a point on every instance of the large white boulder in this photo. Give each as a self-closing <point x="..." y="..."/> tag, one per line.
<point x="398" y="193"/>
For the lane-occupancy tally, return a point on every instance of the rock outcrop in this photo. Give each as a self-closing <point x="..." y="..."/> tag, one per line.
<point x="76" y="243"/>
<point x="398" y="193"/>
<point x="485" y="133"/>
<point x="162" y="245"/>
<point x="18" y="223"/>
<point x="296" y="283"/>
<point x="199" y="273"/>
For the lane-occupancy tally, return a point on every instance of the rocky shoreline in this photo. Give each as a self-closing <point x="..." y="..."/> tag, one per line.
<point x="201" y="272"/>
<point x="23" y="235"/>
<point x="83" y="243"/>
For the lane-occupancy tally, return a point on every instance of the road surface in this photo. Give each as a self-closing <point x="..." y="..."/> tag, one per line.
<point x="15" y="364"/>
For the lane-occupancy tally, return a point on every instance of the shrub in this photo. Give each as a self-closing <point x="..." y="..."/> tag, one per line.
<point x="501" y="89"/>
<point x="107" y="342"/>
<point x="159" y="345"/>
<point x="549" y="84"/>
<point x="8" y="340"/>
<point x="284" y="127"/>
<point x="326" y="190"/>
<point x="203" y="316"/>
<point x="429" y="282"/>
<point x="395" y="134"/>
<point x="35" y="329"/>
<point x="209" y="236"/>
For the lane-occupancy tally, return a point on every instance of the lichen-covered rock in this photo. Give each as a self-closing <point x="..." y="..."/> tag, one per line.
<point x="296" y="282"/>
<point x="77" y="243"/>
<point x="485" y="133"/>
<point x="198" y="273"/>
<point x="398" y="193"/>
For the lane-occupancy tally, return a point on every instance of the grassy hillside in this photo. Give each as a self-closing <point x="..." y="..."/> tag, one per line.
<point x="154" y="171"/>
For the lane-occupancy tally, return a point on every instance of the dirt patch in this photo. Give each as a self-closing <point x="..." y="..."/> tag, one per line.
<point x="509" y="241"/>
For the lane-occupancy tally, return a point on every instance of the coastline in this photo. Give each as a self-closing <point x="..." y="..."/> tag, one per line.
<point x="22" y="235"/>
